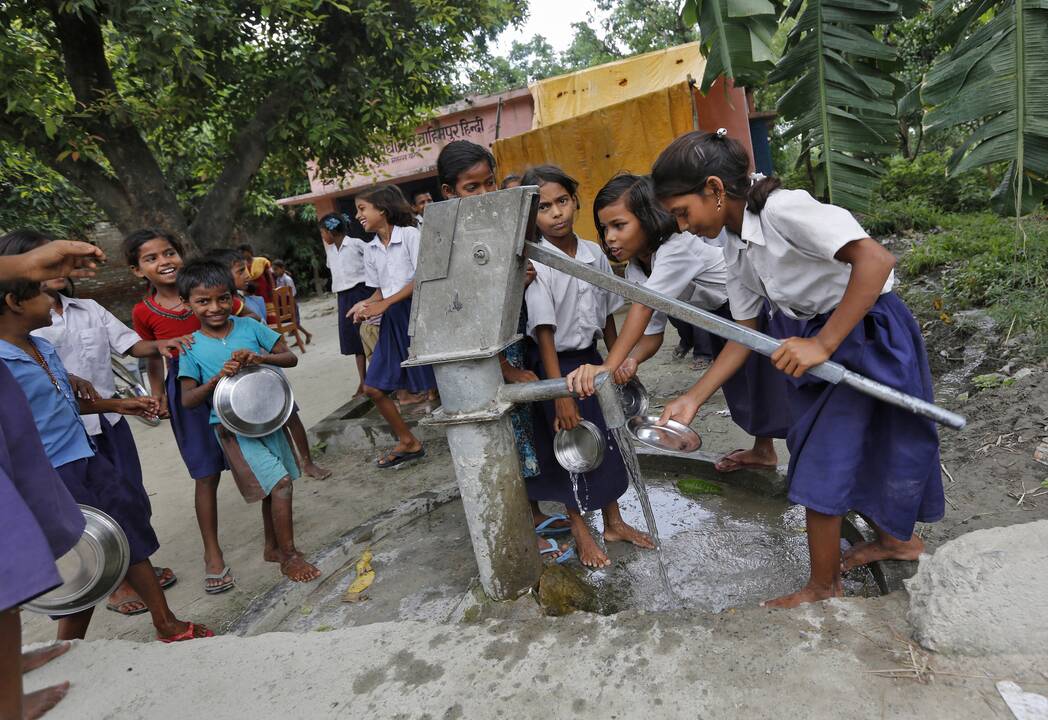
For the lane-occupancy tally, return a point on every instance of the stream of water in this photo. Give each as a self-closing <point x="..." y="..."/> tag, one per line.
<point x="629" y="457"/>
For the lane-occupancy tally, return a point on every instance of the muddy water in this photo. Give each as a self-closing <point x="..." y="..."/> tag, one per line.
<point x="721" y="551"/>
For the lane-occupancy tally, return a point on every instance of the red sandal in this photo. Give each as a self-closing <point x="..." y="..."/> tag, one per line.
<point x="188" y="634"/>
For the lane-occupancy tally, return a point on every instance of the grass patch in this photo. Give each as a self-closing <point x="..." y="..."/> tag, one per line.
<point x="983" y="264"/>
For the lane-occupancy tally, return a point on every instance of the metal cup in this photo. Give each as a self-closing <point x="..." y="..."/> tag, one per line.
<point x="580" y="449"/>
<point x="635" y="398"/>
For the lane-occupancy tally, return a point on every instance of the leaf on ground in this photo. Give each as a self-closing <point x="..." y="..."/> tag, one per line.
<point x="698" y="486"/>
<point x="365" y="576"/>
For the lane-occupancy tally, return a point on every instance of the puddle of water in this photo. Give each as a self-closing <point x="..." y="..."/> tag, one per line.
<point x="720" y="551"/>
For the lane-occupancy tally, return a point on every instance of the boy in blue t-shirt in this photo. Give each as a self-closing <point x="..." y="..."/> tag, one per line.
<point x="262" y="467"/>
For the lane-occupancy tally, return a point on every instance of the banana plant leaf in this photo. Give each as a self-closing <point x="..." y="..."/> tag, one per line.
<point x="839" y="103"/>
<point x="996" y="77"/>
<point x="736" y="38"/>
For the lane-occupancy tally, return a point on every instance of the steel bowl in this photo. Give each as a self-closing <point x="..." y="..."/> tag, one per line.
<point x="91" y="571"/>
<point x="255" y="402"/>
<point x="635" y="398"/>
<point x="673" y="437"/>
<point x="580" y="449"/>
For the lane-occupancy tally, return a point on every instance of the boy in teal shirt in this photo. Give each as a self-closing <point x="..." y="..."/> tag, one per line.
<point x="264" y="467"/>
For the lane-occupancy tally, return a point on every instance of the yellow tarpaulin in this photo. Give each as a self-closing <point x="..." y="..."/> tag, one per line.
<point x="567" y="96"/>
<point x="625" y="137"/>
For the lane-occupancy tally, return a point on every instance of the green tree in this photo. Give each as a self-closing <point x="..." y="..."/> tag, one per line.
<point x="167" y="113"/>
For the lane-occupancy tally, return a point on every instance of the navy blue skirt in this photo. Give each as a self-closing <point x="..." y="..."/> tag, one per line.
<point x="597" y="488"/>
<point x="349" y="342"/>
<point x="384" y="371"/>
<point x="39" y="519"/>
<point x="117" y="445"/>
<point x="849" y="451"/>
<point x="94" y="481"/>
<point x="192" y="427"/>
<point x="756" y="394"/>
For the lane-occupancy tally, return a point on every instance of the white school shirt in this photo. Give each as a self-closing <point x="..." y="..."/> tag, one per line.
<point x="786" y="254"/>
<point x="286" y="280"/>
<point x="390" y="268"/>
<point x="686" y="268"/>
<point x="576" y="310"/>
<point x="83" y="335"/>
<point x="346" y="263"/>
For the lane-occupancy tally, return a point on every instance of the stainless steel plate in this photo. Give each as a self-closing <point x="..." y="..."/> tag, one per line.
<point x="634" y="398"/>
<point x="91" y="571"/>
<point x="580" y="449"/>
<point x="673" y="437"/>
<point x="255" y="402"/>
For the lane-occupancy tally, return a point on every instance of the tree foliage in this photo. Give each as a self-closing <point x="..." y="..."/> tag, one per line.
<point x="168" y="113"/>
<point x="737" y="38"/>
<point x="615" y="30"/>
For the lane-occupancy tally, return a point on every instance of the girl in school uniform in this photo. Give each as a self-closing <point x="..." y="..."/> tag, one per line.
<point x="465" y="169"/>
<point x="830" y="291"/>
<point x="345" y="260"/>
<point x="566" y="317"/>
<point x="637" y="229"/>
<point x="157" y="257"/>
<point x="389" y="266"/>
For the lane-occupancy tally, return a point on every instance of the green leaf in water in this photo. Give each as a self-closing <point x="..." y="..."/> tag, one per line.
<point x="698" y="486"/>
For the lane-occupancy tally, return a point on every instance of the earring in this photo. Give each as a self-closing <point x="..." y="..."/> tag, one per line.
<point x="718" y="202"/>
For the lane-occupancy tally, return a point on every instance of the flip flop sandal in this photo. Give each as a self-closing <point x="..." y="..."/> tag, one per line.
<point x="543" y="528"/>
<point x="400" y="457"/>
<point x="127" y="613"/>
<point x="165" y="584"/>
<point x="188" y="634"/>
<point x="565" y="556"/>
<point x="738" y="465"/>
<point x="225" y="586"/>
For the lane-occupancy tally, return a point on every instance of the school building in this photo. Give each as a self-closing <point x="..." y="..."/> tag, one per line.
<point x="594" y="123"/>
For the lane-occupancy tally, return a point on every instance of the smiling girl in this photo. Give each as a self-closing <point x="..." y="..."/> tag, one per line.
<point x="389" y="266"/>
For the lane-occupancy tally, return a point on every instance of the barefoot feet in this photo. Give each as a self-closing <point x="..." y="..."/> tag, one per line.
<point x="297" y="569"/>
<point x="885" y="547"/>
<point x="754" y="458"/>
<point x="808" y="594"/>
<point x="35" y="704"/>
<point x="618" y="530"/>
<point x="315" y="471"/>
<point x="37" y="658"/>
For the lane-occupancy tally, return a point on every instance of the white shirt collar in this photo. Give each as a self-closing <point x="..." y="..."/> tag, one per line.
<point x="583" y="252"/>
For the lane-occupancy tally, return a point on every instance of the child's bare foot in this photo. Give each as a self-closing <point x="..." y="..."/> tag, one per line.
<point x="619" y="530"/>
<point x="308" y="334"/>
<point x="808" y="594"/>
<point x="315" y="471"/>
<point x="360" y="391"/>
<point x="885" y="547"/>
<point x="590" y="553"/>
<point x="296" y="569"/>
<point x="36" y="704"/>
<point x="272" y="554"/>
<point x="37" y="658"/>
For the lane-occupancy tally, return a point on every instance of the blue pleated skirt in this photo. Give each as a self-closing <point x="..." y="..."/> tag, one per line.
<point x="756" y="394"/>
<point x="94" y="481"/>
<point x="597" y="488"/>
<point x="349" y="342"/>
<point x="39" y="519"/>
<point x="849" y="451"/>
<point x="117" y="445"/>
<point x="384" y="371"/>
<point x="196" y="441"/>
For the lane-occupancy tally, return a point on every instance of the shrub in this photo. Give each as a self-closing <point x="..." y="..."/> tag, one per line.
<point x="924" y="178"/>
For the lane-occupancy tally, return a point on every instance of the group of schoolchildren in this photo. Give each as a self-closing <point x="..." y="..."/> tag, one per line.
<point x="702" y="228"/>
<point x="193" y="328"/>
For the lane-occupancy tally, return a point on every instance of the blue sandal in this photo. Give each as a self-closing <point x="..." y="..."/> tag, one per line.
<point x="554" y="547"/>
<point x="543" y="528"/>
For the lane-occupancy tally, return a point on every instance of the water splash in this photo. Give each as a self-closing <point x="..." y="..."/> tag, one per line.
<point x="629" y="458"/>
<point x="574" y="477"/>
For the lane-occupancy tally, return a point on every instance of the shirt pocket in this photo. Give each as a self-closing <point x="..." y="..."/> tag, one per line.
<point x="92" y="350"/>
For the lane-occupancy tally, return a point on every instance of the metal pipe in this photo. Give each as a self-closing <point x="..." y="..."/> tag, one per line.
<point x="501" y="526"/>
<point x="540" y="390"/>
<point x="829" y="371"/>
